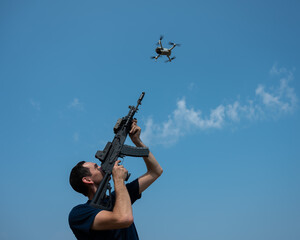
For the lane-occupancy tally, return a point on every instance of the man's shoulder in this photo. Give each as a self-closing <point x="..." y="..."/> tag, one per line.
<point x="81" y="211"/>
<point x="80" y="207"/>
<point x="81" y="218"/>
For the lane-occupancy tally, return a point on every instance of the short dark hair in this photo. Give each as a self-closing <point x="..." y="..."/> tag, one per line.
<point x="76" y="175"/>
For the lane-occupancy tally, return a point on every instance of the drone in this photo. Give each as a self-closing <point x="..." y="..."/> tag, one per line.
<point x="164" y="51"/>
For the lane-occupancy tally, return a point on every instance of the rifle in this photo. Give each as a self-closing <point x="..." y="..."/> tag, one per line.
<point x="110" y="154"/>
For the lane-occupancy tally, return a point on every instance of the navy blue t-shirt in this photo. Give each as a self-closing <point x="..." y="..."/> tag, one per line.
<point x="82" y="217"/>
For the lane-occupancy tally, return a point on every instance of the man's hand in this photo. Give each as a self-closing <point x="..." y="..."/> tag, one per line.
<point x="119" y="172"/>
<point x="121" y="215"/>
<point x="135" y="133"/>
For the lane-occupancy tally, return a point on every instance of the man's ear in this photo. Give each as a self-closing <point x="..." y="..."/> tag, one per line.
<point x="87" y="180"/>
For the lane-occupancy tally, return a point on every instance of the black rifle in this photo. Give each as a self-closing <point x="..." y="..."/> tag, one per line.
<point x="110" y="154"/>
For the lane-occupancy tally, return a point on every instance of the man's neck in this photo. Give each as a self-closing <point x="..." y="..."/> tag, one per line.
<point x="92" y="192"/>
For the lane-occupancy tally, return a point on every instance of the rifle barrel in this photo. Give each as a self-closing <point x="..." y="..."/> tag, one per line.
<point x="139" y="102"/>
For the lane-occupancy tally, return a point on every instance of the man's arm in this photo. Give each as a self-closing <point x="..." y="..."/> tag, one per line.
<point x="121" y="216"/>
<point x="154" y="170"/>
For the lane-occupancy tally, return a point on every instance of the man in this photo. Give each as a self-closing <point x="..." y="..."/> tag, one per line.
<point x="88" y="222"/>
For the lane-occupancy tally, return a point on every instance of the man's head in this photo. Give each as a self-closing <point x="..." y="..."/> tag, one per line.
<point x="85" y="176"/>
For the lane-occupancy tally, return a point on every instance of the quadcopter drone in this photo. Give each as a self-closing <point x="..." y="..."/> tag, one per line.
<point x="164" y="51"/>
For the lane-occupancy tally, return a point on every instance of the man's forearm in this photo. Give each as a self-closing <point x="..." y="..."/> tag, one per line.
<point x="122" y="206"/>
<point x="152" y="165"/>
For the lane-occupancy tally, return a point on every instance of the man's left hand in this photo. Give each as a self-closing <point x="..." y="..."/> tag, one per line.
<point x="135" y="132"/>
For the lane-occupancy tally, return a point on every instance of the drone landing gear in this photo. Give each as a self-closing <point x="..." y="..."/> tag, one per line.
<point x="155" y="57"/>
<point x="170" y="59"/>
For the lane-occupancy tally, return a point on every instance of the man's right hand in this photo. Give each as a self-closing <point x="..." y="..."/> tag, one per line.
<point x="119" y="172"/>
<point x="121" y="216"/>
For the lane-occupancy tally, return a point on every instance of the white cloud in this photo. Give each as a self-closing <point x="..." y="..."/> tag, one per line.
<point x="232" y="111"/>
<point x="266" y="103"/>
<point x="267" y="98"/>
<point x="277" y="71"/>
<point x="281" y="99"/>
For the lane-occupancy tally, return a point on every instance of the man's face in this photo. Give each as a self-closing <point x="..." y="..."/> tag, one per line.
<point x="95" y="170"/>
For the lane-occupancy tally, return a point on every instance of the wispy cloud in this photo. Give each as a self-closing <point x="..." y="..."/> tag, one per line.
<point x="76" y="104"/>
<point x="282" y="99"/>
<point x="36" y="105"/>
<point x="268" y="102"/>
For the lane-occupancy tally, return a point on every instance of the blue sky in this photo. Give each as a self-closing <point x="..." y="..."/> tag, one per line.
<point x="222" y="118"/>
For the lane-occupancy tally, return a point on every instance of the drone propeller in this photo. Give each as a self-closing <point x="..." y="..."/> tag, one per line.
<point x="177" y="44"/>
<point x="159" y="42"/>
<point x="152" y="57"/>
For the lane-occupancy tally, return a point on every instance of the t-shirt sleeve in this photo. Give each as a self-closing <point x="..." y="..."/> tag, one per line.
<point x="133" y="190"/>
<point x="81" y="217"/>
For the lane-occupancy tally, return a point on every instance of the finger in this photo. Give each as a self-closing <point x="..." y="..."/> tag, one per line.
<point x="136" y="129"/>
<point x="134" y="123"/>
<point x="117" y="162"/>
<point x="133" y="130"/>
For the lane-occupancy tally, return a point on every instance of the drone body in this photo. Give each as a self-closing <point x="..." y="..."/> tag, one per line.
<point x="164" y="51"/>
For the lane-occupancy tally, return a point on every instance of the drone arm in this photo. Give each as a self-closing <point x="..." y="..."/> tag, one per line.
<point x="160" y="44"/>
<point x="157" y="57"/>
<point x="174" y="45"/>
